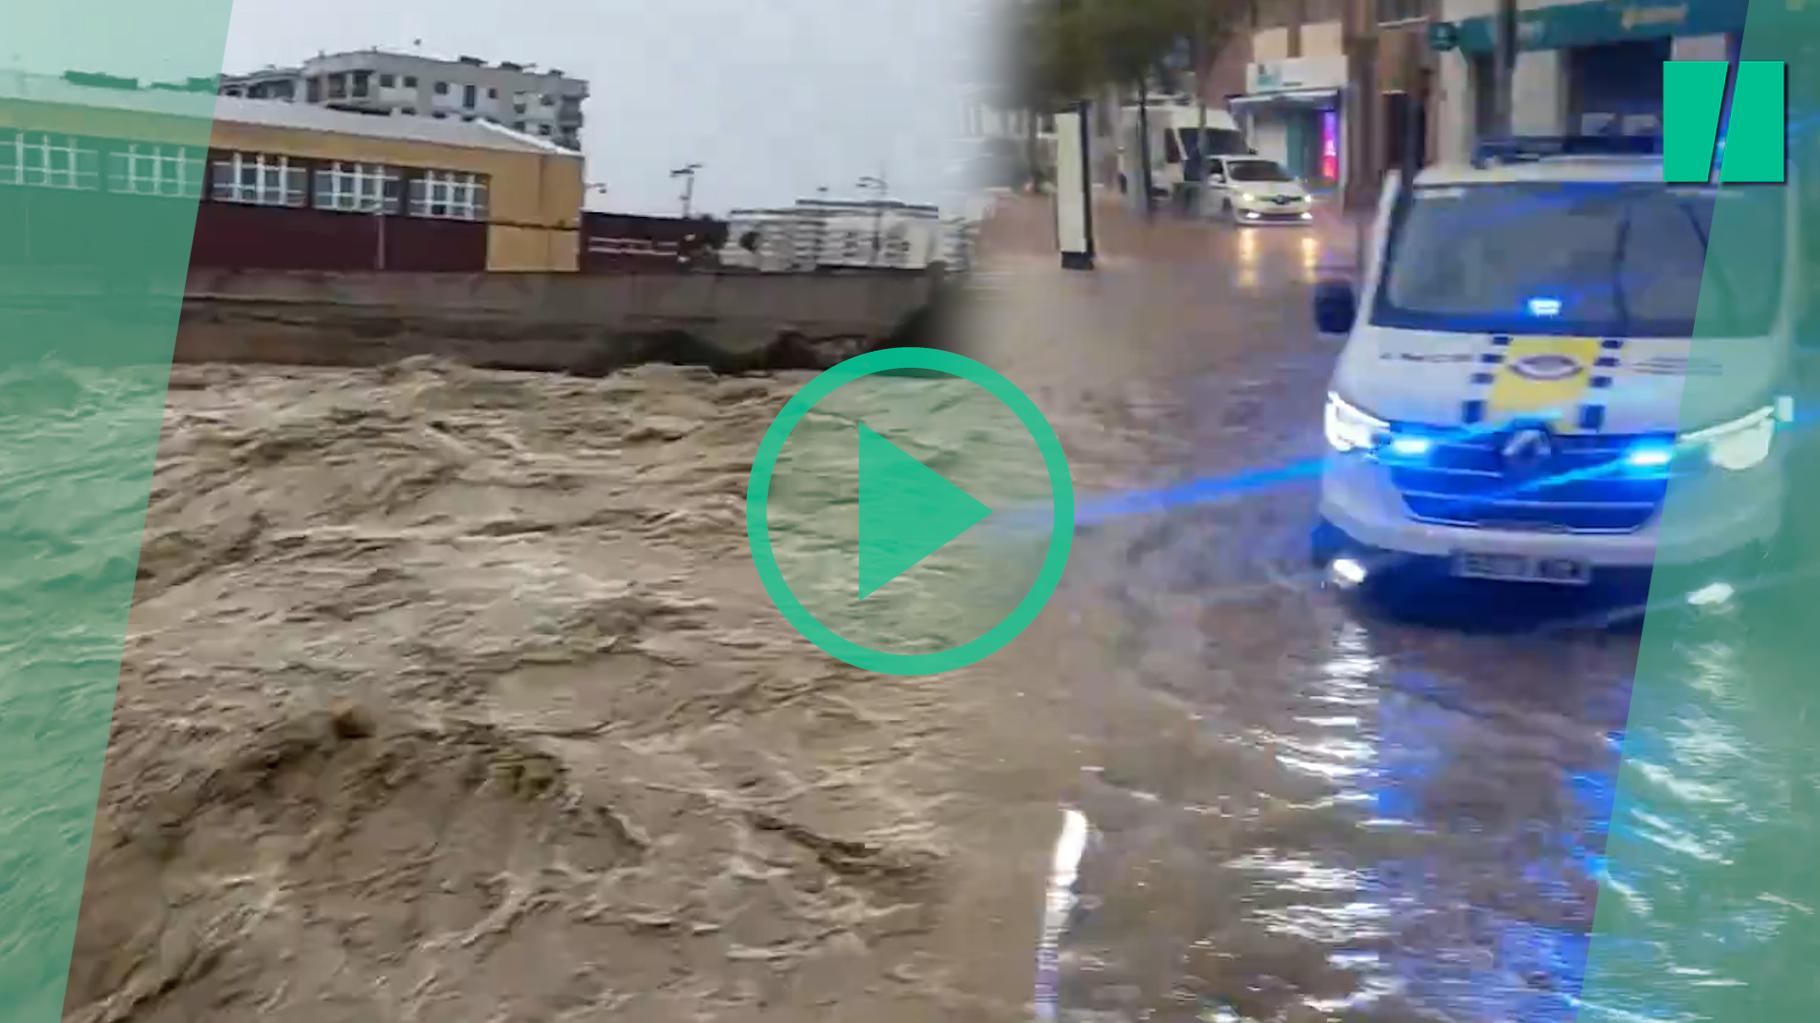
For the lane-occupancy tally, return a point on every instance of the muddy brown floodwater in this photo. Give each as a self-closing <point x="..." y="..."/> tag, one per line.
<point x="453" y="696"/>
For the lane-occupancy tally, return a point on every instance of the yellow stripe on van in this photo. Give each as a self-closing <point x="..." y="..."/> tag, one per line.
<point x="1519" y="391"/>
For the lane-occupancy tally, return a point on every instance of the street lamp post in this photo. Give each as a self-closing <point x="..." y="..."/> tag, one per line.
<point x="687" y="173"/>
<point x="879" y="185"/>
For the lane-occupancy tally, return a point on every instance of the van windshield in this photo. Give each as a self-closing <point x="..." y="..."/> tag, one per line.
<point x="1256" y="170"/>
<point x="1220" y="141"/>
<point x="1581" y="258"/>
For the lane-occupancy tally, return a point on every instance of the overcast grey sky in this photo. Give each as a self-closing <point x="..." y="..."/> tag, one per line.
<point x="773" y="97"/>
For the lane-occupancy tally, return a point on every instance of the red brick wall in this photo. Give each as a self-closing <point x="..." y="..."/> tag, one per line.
<point x="616" y="243"/>
<point x="281" y="238"/>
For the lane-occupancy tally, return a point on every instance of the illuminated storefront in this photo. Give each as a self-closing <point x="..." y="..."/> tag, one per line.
<point x="1292" y="112"/>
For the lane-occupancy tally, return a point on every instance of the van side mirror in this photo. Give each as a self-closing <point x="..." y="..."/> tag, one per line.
<point x="1335" y="306"/>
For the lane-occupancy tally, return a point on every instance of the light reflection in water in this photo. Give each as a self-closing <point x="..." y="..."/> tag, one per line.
<point x="1058" y="903"/>
<point x="1464" y="889"/>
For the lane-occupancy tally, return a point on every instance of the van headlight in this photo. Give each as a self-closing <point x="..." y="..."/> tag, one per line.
<point x="1349" y="428"/>
<point x="1739" y="444"/>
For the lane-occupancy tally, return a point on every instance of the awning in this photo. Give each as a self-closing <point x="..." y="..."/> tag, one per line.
<point x="1311" y="98"/>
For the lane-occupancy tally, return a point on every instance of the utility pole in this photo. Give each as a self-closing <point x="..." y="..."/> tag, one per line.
<point x="379" y="230"/>
<point x="687" y="173"/>
<point x="1361" y="105"/>
<point x="1197" y="163"/>
<point x="878" y="211"/>
<point x="1144" y="182"/>
<point x="1504" y="65"/>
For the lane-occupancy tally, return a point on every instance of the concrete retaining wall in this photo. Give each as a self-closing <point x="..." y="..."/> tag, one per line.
<point x="560" y="322"/>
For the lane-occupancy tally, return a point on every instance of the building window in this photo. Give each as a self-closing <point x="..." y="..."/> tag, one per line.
<point x="386" y="81"/>
<point x="357" y="188"/>
<point x="1391" y="12"/>
<point x="48" y="161"/>
<point x="449" y="195"/>
<point x="518" y="126"/>
<point x="468" y="96"/>
<point x="408" y="111"/>
<point x="442" y="88"/>
<point x="363" y="81"/>
<point x="313" y="89"/>
<point x="258" y="180"/>
<point x="492" y="93"/>
<point x="547" y="100"/>
<point x="338" y="86"/>
<point x="410" y="81"/>
<point x="145" y="169"/>
<point x="439" y="115"/>
<point x="543" y="129"/>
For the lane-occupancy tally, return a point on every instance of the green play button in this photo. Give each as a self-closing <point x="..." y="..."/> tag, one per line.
<point x="909" y="511"/>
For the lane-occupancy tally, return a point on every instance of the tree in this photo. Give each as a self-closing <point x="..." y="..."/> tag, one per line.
<point x="1062" y="50"/>
<point x="1051" y="63"/>
<point x="1134" y="38"/>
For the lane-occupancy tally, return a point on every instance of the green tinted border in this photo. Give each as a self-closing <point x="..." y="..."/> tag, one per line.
<point x="91" y="288"/>
<point x="1061" y="535"/>
<point x="1709" y="904"/>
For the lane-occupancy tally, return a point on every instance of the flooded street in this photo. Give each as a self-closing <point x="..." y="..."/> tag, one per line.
<point x="453" y="696"/>
<point x="1287" y="806"/>
<point x="1300" y="810"/>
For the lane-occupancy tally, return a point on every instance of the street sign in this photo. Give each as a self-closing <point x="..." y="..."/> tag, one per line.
<point x="1443" y="36"/>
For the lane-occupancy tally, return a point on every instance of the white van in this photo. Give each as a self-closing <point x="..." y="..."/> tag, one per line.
<point x="1175" y="137"/>
<point x="1520" y="383"/>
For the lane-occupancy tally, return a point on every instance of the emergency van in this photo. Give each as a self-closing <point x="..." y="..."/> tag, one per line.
<point x="1521" y="383"/>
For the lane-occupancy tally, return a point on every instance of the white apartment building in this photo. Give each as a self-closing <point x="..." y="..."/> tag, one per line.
<point x="540" y="102"/>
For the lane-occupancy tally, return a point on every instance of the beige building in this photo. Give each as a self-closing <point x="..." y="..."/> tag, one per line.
<point x="294" y="186"/>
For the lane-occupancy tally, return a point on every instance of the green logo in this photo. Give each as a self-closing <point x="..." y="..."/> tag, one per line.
<point x="1756" y="134"/>
<point x="910" y="511"/>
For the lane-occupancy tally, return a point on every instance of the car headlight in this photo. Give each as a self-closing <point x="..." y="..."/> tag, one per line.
<point x="1739" y="444"/>
<point x="1349" y="428"/>
<point x="1247" y="197"/>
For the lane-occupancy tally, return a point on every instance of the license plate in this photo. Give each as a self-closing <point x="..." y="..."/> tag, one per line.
<point x="1521" y="568"/>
